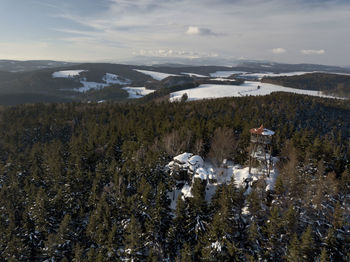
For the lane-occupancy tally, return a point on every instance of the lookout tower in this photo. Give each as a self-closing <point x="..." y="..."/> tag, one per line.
<point x="260" y="149"/>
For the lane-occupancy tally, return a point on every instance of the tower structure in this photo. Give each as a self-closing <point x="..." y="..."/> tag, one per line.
<point x="260" y="149"/>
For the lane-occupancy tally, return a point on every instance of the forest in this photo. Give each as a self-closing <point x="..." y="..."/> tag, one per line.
<point x="88" y="181"/>
<point x="333" y="84"/>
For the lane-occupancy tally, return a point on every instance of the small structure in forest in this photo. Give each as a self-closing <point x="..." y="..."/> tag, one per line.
<point x="260" y="149"/>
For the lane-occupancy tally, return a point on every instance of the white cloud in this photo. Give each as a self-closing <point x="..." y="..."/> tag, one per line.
<point x="279" y="50"/>
<point x="313" y="52"/>
<point x="195" y="30"/>
<point x="173" y="53"/>
<point x="246" y="30"/>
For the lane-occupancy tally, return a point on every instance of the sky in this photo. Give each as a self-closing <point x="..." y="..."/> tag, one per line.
<point x="289" y="31"/>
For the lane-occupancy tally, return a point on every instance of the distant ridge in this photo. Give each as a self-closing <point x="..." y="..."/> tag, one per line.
<point x="30" y="65"/>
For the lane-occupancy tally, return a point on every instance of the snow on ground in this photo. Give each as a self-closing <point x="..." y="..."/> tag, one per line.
<point x="248" y="88"/>
<point x="155" y="75"/>
<point x="88" y="86"/>
<point x="193" y="74"/>
<point x="108" y="78"/>
<point x="222" y="79"/>
<point x="137" y="92"/>
<point x="259" y="76"/>
<point x="183" y="158"/>
<point x="226" y="73"/>
<point x="67" y="73"/>
<point x="197" y="168"/>
<point x="111" y="79"/>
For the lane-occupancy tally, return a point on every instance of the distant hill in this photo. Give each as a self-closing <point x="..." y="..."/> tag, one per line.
<point x="21" y="66"/>
<point x="32" y="81"/>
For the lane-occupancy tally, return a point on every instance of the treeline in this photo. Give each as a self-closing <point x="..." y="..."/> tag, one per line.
<point x="333" y="84"/>
<point x="87" y="182"/>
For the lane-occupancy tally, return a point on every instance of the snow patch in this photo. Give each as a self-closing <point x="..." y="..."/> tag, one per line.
<point x="222" y="79"/>
<point x="193" y="74"/>
<point x="108" y="79"/>
<point x="201" y="173"/>
<point x="112" y="79"/>
<point x="67" y="73"/>
<point x="89" y="86"/>
<point x="137" y="92"/>
<point x="259" y="76"/>
<point x="186" y="191"/>
<point x="226" y="73"/>
<point x="217" y="246"/>
<point x="183" y="158"/>
<point x="155" y="75"/>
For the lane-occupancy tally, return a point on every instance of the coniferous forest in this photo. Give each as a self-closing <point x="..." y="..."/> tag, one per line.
<point x="88" y="182"/>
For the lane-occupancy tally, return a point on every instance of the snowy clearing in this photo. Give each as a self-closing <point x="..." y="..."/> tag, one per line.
<point x="259" y="76"/>
<point x="112" y="79"/>
<point x="226" y="73"/>
<point x="108" y="78"/>
<point x="137" y="92"/>
<point x="67" y="73"/>
<point x="249" y="88"/>
<point x="88" y="86"/>
<point x="155" y="75"/>
<point x="193" y="74"/>
<point x="222" y="79"/>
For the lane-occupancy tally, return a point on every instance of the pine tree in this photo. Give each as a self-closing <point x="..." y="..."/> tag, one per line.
<point x="324" y="256"/>
<point x="198" y="211"/>
<point x="294" y="253"/>
<point x="186" y="253"/>
<point x="157" y="225"/>
<point x="290" y="219"/>
<point x="178" y="232"/>
<point x="273" y="230"/>
<point x="133" y="240"/>
<point x="307" y="245"/>
<point x="225" y="228"/>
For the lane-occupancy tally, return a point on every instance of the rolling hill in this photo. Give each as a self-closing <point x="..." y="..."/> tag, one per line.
<point x="23" y="82"/>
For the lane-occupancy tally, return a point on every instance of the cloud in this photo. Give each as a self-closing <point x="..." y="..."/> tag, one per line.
<point x="254" y="29"/>
<point x="195" y="30"/>
<point x="173" y="53"/>
<point x="279" y="50"/>
<point x="312" y="52"/>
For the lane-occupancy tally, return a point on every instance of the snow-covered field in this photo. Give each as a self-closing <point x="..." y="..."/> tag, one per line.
<point x="193" y="74"/>
<point x="259" y="76"/>
<point x="137" y="92"/>
<point x="249" y="88"/>
<point x="155" y="75"/>
<point x="67" y="73"/>
<point x="222" y="79"/>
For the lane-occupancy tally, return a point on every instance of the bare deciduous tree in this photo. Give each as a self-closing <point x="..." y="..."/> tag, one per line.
<point x="223" y="145"/>
<point x="176" y="142"/>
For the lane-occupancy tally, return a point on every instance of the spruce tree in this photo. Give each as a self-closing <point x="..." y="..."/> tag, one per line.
<point x="133" y="240"/>
<point x="294" y="253"/>
<point x="307" y="245"/>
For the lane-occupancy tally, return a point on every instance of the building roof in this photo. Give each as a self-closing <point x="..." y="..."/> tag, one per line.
<point x="262" y="131"/>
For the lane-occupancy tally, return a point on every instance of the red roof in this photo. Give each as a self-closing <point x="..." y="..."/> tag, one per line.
<point x="262" y="131"/>
<point x="257" y="131"/>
